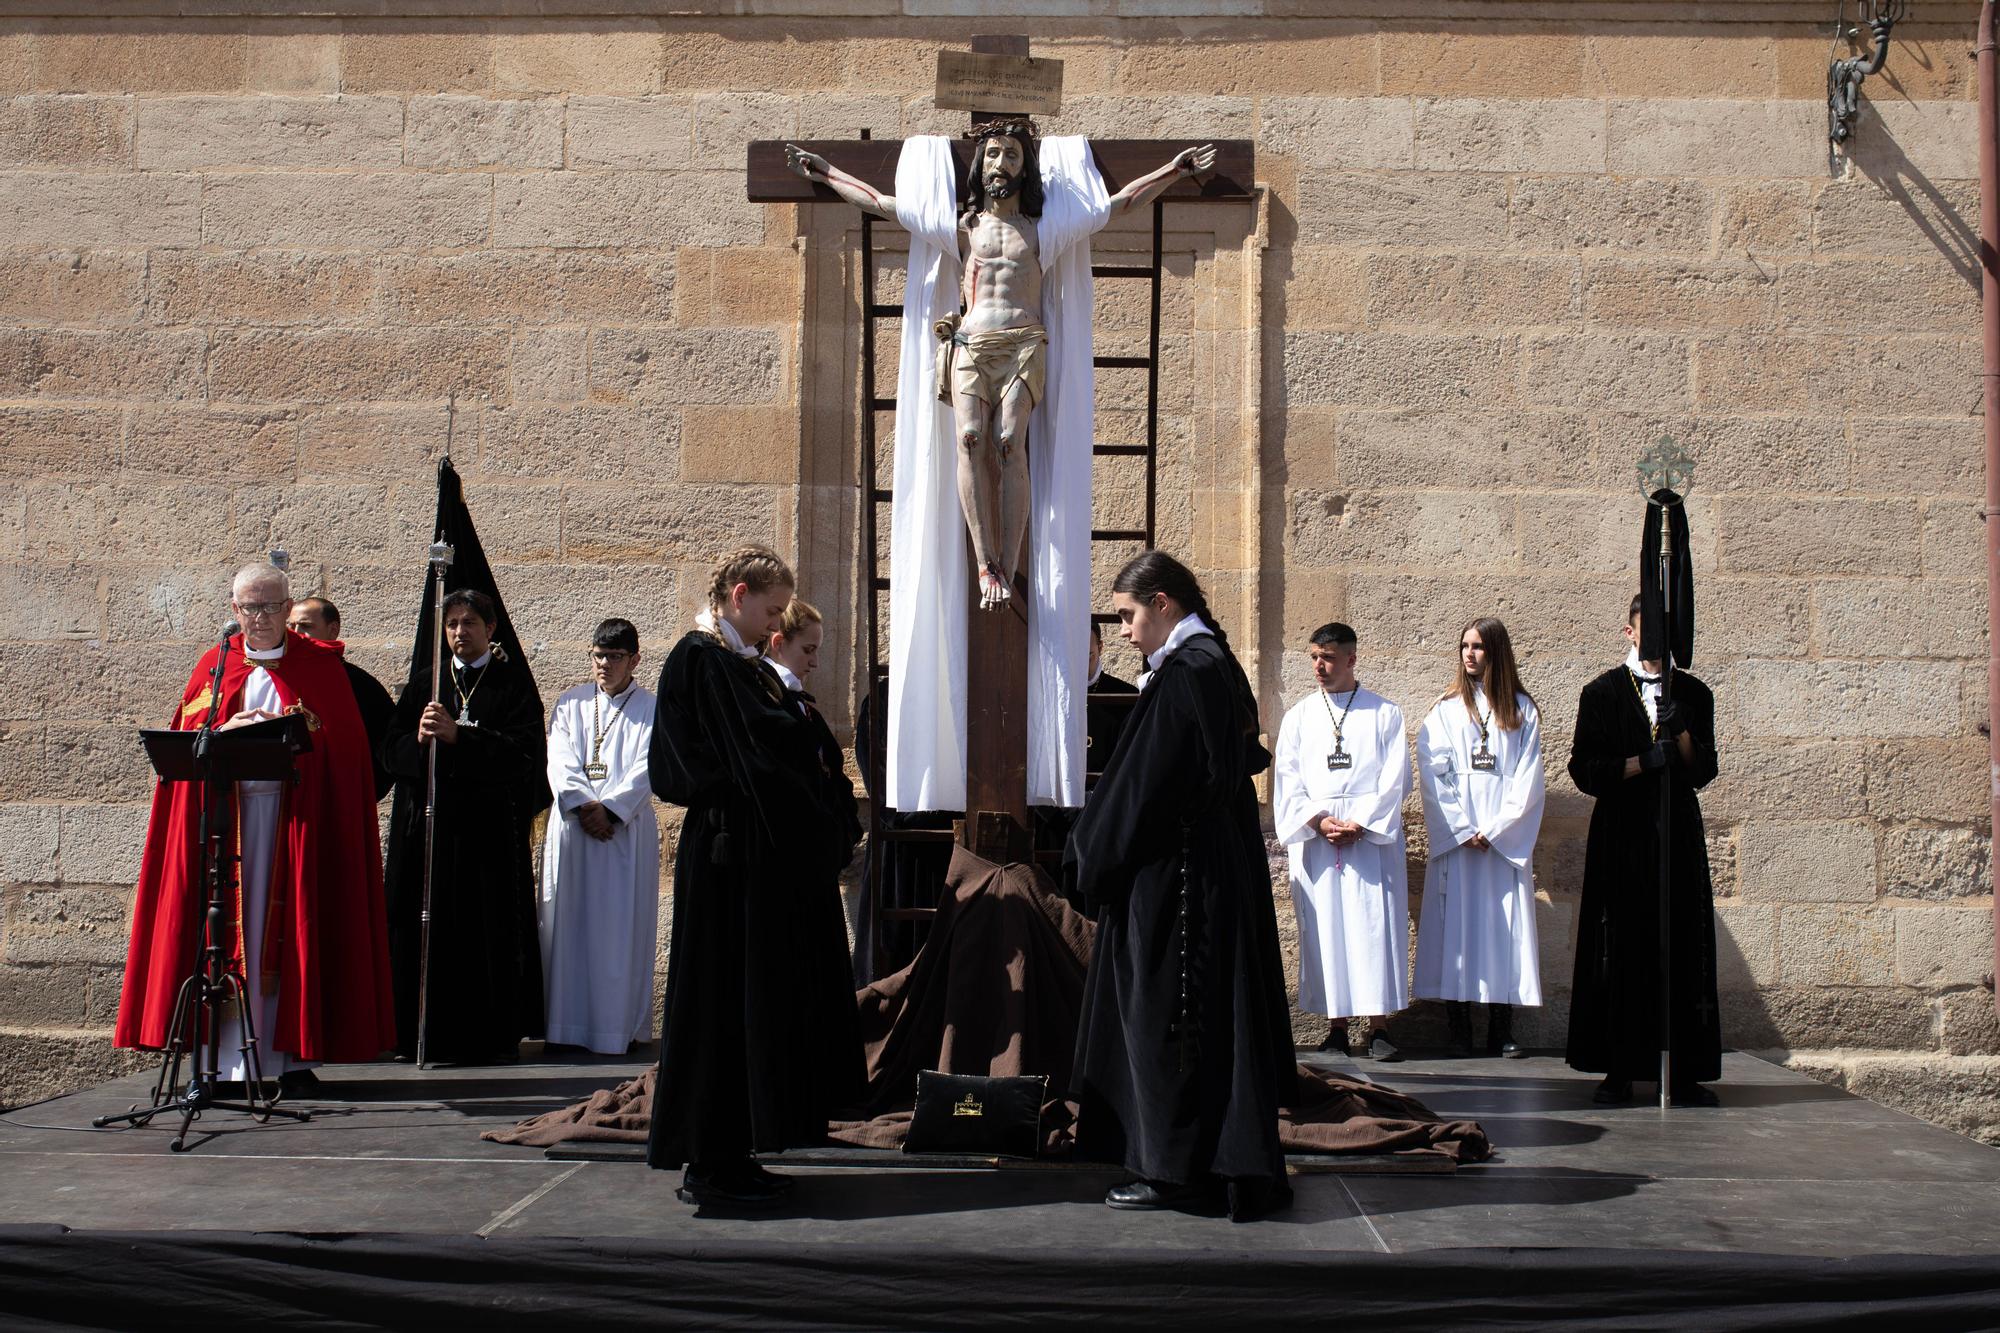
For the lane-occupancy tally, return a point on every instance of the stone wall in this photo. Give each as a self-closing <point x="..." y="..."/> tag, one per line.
<point x="256" y="275"/>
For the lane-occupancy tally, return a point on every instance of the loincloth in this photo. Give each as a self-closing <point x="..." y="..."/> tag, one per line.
<point x="987" y="365"/>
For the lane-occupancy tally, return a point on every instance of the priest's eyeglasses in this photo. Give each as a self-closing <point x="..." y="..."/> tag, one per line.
<point x="261" y="608"/>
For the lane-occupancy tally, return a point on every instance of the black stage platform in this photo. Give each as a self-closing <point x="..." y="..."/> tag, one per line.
<point x="1794" y="1205"/>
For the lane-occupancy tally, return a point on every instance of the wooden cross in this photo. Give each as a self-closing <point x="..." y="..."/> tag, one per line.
<point x="997" y="822"/>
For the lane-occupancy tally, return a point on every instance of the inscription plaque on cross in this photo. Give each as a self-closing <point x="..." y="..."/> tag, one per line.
<point x="996" y="359"/>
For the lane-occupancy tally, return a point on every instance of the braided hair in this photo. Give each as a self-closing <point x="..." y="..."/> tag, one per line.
<point x="1154" y="571"/>
<point x="759" y="566"/>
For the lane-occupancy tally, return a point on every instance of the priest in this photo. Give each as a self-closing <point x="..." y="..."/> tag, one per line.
<point x="305" y="928"/>
<point x="1633" y="732"/>
<point x="600" y="902"/>
<point x="1337" y="786"/>
<point x="1479" y="766"/>
<point x="483" y="994"/>
<point x="1184" y="1051"/>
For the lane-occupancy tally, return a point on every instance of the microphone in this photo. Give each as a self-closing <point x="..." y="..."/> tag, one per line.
<point x="230" y="629"/>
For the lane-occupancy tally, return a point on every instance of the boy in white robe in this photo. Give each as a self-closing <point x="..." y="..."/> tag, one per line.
<point x="599" y="905"/>
<point x="1479" y="767"/>
<point x="1339" y="777"/>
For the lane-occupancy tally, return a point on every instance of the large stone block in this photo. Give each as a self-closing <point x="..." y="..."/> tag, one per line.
<point x="1766" y="218"/>
<point x="1818" y="537"/>
<point x="1924" y="457"/>
<point x="1818" y="862"/>
<point x="296" y="133"/>
<point x="1969" y="1026"/>
<point x="416" y="56"/>
<point x="550" y="365"/>
<point x="1543" y="137"/>
<point x="1472" y="59"/>
<point x="1954" y="539"/>
<point x="1293" y="57"/>
<point x="141" y="56"/>
<point x="1608" y="213"/>
<point x="261" y="444"/>
<point x="1557" y="532"/>
<point x="1836" y="946"/>
<point x="677" y="525"/>
<point x="1658" y="136"/>
<point x="1926" y="63"/>
<point x="51" y="601"/>
<point x="680" y="366"/>
<point x="372" y="442"/>
<point x="1679" y="294"/>
<point x="577" y="56"/>
<point x="261" y="287"/>
<point x="725" y="124"/>
<point x="646" y="133"/>
<point x="1424" y="528"/>
<point x="44" y="997"/>
<point x="1637" y="61"/>
<point x="1794" y="1017"/>
<point x="85" y="132"/>
<point x="1901" y="617"/>
<point x="784" y="53"/>
<point x="100" y="844"/>
<point x="726" y="443"/>
<point x="457" y="131"/>
<point x="38" y="1065"/>
<point x="1941" y="780"/>
<point x="1945" y="946"/>
<point x="45" y="442"/>
<point x="490" y="288"/>
<point x="351" y="521"/>
<point x="739" y="287"/>
<point x="66" y="923"/>
<point x="1909" y="297"/>
<point x="545" y="604"/>
<point x="74" y="287"/>
<point x="1888" y="699"/>
<point x="1340" y="133"/>
<point x="58" y="209"/>
<point x="1766" y="374"/>
<point x="101" y="763"/>
<point x="1746" y="946"/>
<point x="1936" y="864"/>
<point x="1150" y="117"/>
<point x="1469" y="291"/>
<point x="1507" y="448"/>
<point x="583" y="442"/>
<point x="1768" y="453"/>
<point x="1582" y="370"/>
<point x="28" y="840"/>
<point x="1960" y="1093"/>
<point x="1865" y="217"/>
<point x="1433" y="372"/>
<point x="637" y="210"/>
<point x="357" y="211"/>
<point x="1312" y="289"/>
<point x="104" y="364"/>
<point x="336" y="365"/>
<point x="293" y="56"/>
<point x="1935" y="140"/>
<point x="1447" y="210"/>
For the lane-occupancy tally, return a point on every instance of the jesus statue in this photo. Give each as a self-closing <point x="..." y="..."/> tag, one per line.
<point x="993" y="356"/>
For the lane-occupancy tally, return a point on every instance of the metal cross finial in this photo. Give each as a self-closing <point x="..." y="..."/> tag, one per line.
<point x="1666" y="467"/>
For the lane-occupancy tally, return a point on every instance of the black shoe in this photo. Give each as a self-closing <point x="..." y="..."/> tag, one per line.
<point x="296" y="1083"/>
<point x="1500" y="1032"/>
<point x="1458" y="1017"/>
<point x="771" y="1179"/>
<point x="1336" y="1039"/>
<point x="1381" y="1049"/>
<point x="1692" y="1094"/>
<point x="735" y="1183"/>
<point x="1613" y="1092"/>
<point x="1149" y="1195"/>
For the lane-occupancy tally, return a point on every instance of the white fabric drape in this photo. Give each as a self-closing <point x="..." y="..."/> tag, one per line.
<point x="927" y="562"/>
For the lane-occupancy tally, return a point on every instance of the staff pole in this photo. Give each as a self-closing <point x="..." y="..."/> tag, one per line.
<point x="441" y="556"/>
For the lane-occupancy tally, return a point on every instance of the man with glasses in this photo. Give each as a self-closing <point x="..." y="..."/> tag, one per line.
<point x="319" y="619"/>
<point x="599" y="906"/>
<point x="306" y="928"/>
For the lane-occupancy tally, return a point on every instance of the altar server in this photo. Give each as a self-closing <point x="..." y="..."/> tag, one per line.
<point x="1479" y="766"/>
<point x="599" y="909"/>
<point x="1184" y="1051"/>
<point x="1337" y="789"/>
<point x="793" y="652"/>
<point x="760" y="1043"/>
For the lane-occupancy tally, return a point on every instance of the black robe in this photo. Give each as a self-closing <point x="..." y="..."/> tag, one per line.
<point x="485" y="990"/>
<point x="1104" y="721"/>
<point x="1183" y="1063"/>
<point x="760" y="1043"/>
<point x="1614" y="1024"/>
<point x="377" y="708"/>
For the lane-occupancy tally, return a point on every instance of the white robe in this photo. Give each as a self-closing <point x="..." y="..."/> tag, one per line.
<point x="1352" y="902"/>
<point x="258" y="808"/>
<point x="1477" y="937"/>
<point x="928" y="590"/>
<point x="599" y="905"/>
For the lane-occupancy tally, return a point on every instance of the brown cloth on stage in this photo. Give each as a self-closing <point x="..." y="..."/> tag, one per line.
<point x="996" y="990"/>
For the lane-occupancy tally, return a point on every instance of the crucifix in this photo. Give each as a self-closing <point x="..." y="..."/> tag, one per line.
<point x="1008" y="383"/>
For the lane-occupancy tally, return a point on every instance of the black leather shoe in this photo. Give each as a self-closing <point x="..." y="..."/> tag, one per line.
<point x="1613" y="1092"/>
<point x="1336" y="1039"/>
<point x="735" y="1183"/>
<point x="1380" y="1048"/>
<point x="1147" y="1195"/>
<point x="1693" y="1094"/>
<point x="771" y="1179"/>
<point x="296" y="1083"/>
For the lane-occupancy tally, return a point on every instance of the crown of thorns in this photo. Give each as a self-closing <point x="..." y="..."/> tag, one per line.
<point x="1020" y="128"/>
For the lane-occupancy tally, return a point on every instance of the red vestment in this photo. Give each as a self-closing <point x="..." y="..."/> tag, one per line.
<point x="326" y="941"/>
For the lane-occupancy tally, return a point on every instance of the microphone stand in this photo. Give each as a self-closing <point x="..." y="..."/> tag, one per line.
<point x="213" y="982"/>
<point x="441" y="557"/>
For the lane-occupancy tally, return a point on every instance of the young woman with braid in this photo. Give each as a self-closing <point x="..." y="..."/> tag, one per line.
<point x="760" y="1042"/>
<point x="1184" y="1050"/>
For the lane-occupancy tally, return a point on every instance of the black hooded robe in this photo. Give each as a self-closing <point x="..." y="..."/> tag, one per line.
<point x="485" y="991"/>
<point x="760" y="1044"/>
<point x="1614" y="1024"/>
<point x="1184" y="1050"/>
